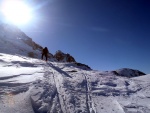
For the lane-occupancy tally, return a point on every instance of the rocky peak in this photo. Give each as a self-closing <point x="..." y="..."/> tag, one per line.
<point x="60" y="56"/>
<point x="65" y="57"/>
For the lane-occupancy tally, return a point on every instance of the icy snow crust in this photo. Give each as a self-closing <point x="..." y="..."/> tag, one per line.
<point x="33" y="86"/>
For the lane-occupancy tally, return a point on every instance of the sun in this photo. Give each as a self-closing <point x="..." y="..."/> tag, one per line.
<point x="16" y="11"/>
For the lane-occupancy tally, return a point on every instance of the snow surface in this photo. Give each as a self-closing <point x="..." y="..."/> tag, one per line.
<point x="33" y="86"/>
<point x="12" y="41"/>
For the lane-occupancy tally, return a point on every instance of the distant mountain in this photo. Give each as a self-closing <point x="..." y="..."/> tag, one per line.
<point x="125" y="72"/>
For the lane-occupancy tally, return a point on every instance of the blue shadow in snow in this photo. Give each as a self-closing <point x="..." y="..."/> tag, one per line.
<point x="59" y="70"/>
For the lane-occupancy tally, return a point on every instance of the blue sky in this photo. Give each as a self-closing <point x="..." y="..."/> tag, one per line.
<point x="104" y="34"/>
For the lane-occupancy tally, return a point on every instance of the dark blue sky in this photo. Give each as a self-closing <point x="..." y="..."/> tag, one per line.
<point x="104" y="34"/>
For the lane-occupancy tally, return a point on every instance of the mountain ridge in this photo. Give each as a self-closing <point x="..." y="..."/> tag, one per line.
<point x="15" y="41"/>
<point x="18" y="42"/>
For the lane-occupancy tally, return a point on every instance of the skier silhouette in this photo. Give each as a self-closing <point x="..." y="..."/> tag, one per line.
<point x="45" y="53"/>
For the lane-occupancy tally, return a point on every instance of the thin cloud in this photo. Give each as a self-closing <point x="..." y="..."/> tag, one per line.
<point x="99" y="29"/>
<point x="65" y="24"/>
<point x="34" y="31"/>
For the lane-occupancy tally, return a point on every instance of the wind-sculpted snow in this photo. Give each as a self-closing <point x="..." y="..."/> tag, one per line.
<point x="33" y="86"/>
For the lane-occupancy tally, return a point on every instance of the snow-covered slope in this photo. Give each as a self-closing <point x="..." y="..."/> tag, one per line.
<point x="14" y="41"/>
<point x="33" y="86"/>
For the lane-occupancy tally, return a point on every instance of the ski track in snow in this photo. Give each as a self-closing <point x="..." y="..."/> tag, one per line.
<point x="33" y="86"/>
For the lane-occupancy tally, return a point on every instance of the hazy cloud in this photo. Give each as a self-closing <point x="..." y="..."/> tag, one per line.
<point x="99" y="29"/>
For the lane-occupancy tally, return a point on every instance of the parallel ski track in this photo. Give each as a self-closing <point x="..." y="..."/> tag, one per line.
<point x="89" y="100"/>
<point x="57" y="86"/>
<point x="47" y="68"/>
<point x="58" y="94"/>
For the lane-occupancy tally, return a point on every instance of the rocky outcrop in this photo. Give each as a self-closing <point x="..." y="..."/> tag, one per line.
<point x="31" y="43"/>
<point x="60" y="56"/>
<point x="83" y="66"/>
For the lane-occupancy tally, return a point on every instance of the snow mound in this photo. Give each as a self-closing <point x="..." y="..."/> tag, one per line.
<point x="126" y="72"/>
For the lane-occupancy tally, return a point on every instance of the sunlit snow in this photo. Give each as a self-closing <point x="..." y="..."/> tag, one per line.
<point x="34" y="86"/>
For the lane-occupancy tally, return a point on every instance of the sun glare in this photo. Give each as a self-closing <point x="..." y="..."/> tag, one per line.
<point x="16" y="11"/>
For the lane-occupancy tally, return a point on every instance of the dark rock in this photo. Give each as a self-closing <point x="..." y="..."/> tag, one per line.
<point x="86" y="67"/>
<point x="62" y="57"/>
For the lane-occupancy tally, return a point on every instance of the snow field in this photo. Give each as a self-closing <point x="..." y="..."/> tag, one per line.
<point x="33" y="86"/>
